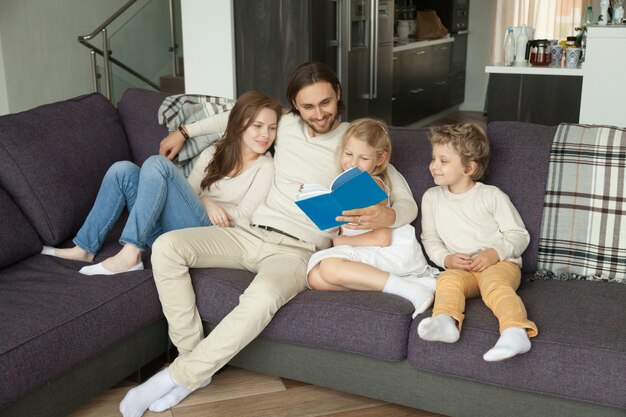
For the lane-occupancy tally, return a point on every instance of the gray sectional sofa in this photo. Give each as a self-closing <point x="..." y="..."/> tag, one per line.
<point x="66" y="337"/>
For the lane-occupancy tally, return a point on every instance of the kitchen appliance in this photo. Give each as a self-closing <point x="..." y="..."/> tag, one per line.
<point x="538" y="52"/>
<point x="366" y="57"/>
<point x="354" y="37"/>
<point x="454" y="14"/>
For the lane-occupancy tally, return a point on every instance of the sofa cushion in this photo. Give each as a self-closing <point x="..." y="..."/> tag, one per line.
<point x="54" y="157"/>
<point x="579" y="353"/>
<point x="519" y="167"/>
<point x="138" y="109"/>
<point x="54" y="318"/>
<point x="368" y="323"/>
<point x="18" y="239"/>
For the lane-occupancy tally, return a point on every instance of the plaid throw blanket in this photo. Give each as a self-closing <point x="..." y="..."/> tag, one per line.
<point x="184" y="109"/>
<point x="583" y="225"/>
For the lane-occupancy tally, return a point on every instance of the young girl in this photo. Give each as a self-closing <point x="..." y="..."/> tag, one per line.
<point x="474" y="231"/>
<point x="383" y="259"/>
<point x="229" y="180"/>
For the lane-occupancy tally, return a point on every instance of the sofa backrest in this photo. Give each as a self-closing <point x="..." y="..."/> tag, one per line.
<point x="53" y="159"/>
<point x="18" y="239"/>
<point x="520" y="155"/>
<point x="138" y="109"/>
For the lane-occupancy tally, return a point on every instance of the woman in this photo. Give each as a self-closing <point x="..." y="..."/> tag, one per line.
<point x="229" y="180"/>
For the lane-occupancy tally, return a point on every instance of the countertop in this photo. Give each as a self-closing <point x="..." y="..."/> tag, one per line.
<point x="530" y="70"/>
<point x="405" y="45"/>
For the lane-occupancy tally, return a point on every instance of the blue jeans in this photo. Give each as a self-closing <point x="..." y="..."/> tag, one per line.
<point x="158" y="197"/>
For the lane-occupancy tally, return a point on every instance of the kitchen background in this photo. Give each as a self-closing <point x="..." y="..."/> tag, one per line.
<point x="41" y="61"/>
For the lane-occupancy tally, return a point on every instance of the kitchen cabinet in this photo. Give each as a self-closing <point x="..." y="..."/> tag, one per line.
<point x="422" y="81"/>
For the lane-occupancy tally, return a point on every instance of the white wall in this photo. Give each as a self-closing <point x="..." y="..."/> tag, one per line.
<point x="481" y="18"/>
<point x="43" y="62"/>
<point x="208" y="40"/>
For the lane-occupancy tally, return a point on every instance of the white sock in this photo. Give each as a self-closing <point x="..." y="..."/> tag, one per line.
<point x="420" y="296"/>
<point x="513" y="341"/>
<point x="172" y="398"/>
<point x="48" y="250"/>
<point x="138" y="399"/>
<point x="99" y="269"/>
<point x="439" y="328"/>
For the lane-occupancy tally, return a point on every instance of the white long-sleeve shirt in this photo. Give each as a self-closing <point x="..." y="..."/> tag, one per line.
<point x="482" y="217"/>
<point x="239" y="196"/>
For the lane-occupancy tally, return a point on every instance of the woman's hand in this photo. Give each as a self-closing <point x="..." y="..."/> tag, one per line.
<point x="216" y="213"/>
<point x="368" y="218"/>
<point x="171" y="144"/>
<point x="458" y="261"/>
<point x="484" y="260"/>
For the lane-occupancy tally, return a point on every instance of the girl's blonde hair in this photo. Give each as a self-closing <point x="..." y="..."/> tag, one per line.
<point x="376" y="134"/>
<point x="469" y="141"/>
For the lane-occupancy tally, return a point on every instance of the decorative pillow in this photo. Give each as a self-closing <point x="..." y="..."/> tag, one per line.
<point x="583" y="226"/>
<point x="53" y="159"/>
<point x="18" y="239"/>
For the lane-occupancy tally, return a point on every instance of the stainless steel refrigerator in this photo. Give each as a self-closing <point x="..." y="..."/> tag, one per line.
<point x="354" y="37"/>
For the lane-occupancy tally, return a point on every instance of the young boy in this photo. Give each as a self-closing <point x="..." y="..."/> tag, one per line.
<point x="475" y="233"/>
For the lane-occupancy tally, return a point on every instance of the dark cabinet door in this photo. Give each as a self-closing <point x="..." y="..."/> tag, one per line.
<point x="272" y="38"/>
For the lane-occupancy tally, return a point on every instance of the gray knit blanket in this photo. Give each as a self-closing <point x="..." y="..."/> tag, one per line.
<point x="184" y="109"/>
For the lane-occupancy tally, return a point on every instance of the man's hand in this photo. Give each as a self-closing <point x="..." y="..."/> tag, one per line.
<point x="458" y="261"/>
<point x="484" y="260"/>
<point x="171" y="144"/>
<point x="368" y="218"/>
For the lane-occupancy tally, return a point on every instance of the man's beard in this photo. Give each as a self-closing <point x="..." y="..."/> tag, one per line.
<point x="331" y="122"/>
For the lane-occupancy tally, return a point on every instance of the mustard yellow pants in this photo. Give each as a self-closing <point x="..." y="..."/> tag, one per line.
<point x="496" y="285"/>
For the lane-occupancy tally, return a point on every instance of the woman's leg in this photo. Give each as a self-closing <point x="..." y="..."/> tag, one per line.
<point x="164" y="201"/>
<point x="118" y="190"/>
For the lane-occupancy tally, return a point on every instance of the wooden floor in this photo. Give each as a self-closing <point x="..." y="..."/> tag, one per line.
<point x="237" y="392"/>
<point x="240" y="393"/>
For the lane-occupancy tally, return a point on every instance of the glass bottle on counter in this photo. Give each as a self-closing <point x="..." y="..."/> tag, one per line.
<point x="509" y="48"/>
<point x="618" y="12"/>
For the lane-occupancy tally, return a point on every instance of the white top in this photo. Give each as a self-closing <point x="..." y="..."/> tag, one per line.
<point x="239" y="196"/>
<point x="482" y="217"/>
<point x="302" y="159"/>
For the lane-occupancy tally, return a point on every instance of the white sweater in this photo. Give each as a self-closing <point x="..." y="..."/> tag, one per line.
<point x="241" y="195"/>
<point x="482" y="217"/>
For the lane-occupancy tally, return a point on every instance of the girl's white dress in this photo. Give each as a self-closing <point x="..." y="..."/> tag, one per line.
<point x="402" y="257"/>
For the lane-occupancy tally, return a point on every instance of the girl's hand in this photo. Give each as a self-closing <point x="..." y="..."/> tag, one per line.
<point x="458" y="261"/>
<point x="171" y="144"/>
<point x="368" y="218"/>
<point x="216" y="213"/>
<point x="484" y="260"/>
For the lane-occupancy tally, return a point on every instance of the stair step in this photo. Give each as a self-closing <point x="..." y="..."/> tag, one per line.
<point x="174" y="84"/>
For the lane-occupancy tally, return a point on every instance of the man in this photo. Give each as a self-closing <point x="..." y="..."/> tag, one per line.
<point x="276" y="243"/>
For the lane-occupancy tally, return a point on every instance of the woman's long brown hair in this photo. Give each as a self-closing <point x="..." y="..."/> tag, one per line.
<point x="228" y="157"/>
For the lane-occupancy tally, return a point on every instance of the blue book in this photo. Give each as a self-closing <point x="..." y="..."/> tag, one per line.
<point x="350" y="190"/>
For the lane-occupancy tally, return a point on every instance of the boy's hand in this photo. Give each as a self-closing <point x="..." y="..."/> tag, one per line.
<point x="484" y="260"/>
<point x="457" y="261"/>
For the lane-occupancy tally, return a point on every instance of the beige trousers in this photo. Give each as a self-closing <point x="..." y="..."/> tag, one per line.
<point x="280" y="263"/>
<point x="496" y="285"/>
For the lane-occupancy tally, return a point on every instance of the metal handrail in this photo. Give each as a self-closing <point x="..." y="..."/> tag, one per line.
<point x="122" y="65"/>
<point x="107" y="22"/>
<point x="106" y="53"/>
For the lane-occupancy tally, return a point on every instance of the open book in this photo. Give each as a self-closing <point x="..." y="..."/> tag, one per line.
<point x="351" y="189"/>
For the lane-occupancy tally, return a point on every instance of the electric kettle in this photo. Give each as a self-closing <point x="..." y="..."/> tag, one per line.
<point x="538" y="52"/>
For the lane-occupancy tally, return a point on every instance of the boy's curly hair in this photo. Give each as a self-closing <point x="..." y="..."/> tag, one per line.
<point x="468" y="140"/>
